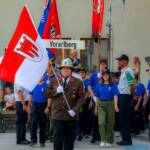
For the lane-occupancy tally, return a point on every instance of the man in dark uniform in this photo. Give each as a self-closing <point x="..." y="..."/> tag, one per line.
<point x="64" y="118"/>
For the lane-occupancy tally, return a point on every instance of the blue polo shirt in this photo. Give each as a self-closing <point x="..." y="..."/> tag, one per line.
<point x="38" y="93"/>
<point x="148" y="86"/>
<point x="86" y="84"/>
<point x="94" y="81"/>
<point x="48" y="78"/>
<point x="116" y="84"/>
<point x="140" y="89"/>
<point x="106" y="92"/>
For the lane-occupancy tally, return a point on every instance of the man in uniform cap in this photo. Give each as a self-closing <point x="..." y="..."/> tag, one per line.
<point x="64" y="118"/>
<point x="126" y="88"/>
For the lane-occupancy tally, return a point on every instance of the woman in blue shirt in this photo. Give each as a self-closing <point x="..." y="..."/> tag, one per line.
<point x="106" y="92"/>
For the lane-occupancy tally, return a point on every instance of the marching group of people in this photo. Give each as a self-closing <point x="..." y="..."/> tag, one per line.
<point x="70" y="103"/>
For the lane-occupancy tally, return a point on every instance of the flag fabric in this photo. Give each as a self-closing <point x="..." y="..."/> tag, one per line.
<point x="43" y="21"/>
<point x="97" y="18"/>
<point x="52" y="27"/>
<point x="45" y="14"/>
<point x="25" y="60"/>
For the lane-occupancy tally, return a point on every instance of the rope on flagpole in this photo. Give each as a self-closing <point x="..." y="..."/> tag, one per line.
<point x="60" y="85"/>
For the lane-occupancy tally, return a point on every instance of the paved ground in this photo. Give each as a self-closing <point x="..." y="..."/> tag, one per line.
<point x="7" y="142"/>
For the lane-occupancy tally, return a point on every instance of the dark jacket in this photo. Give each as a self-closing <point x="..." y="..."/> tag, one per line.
<point x="74" y="93"/>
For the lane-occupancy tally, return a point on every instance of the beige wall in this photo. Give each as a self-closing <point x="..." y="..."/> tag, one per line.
<point x="75" y="17"/>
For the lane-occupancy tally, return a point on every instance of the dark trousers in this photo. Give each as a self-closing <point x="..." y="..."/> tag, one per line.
<point x="117" y="125"/>
<point x="64" y="134"/>
<point x="95" y="127"/>
<point x="21" y="123"/>
<point x="137" y="121"/>
<point x="38" y="118"/>
<point x="87" y="118"/>
<point x="124" y="115"/>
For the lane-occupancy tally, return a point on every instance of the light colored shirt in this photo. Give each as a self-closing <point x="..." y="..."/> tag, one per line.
<point x="77" y="76"/>
<point x="126" y="80"/>
<point x="18" y="88"/>
<point x="9" y="97"/>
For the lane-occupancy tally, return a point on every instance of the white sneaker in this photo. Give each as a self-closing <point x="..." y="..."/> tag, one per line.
<point x="117" y="134"/>
<point x="108" y="144"/>
<point x="102" y="144"/>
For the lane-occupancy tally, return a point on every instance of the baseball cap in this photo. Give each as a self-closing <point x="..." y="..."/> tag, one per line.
<point x="82" y="69"/>
<point x="123" y="57"/>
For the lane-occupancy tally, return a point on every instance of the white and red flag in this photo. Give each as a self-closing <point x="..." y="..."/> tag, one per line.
<point x="26" y="58"/>
<point x="97" y="18"/>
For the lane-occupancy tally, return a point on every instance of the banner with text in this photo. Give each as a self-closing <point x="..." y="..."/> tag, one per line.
<point x="64" y="44"/>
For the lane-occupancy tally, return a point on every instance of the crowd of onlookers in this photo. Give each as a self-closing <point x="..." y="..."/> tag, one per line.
<point x="113" y="101"/>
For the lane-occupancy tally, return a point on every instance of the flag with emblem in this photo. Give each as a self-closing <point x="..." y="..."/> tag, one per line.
<point x="25" y="60"/>
<point x="97" y="18"/>
<point x="52" y="27"/>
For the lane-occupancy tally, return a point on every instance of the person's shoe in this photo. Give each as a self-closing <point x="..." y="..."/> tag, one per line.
<point x="86" y="136"/>
<point x="136" y="133"/>
<point x="79" y="137"/>
<point x="116" y="134"/>
<point x="108" y="144"/>
<point x="32" y="144"/>
<point x="93" y="140"/>
<point x="27" y="141"/>
<point x="123" y="143"/>
<point x="24" y="142"/>
<point x="51" y="140"/>
<point x="102" y="144"/>
<point x="42" y="145"/>
<point x="47" y="140"/>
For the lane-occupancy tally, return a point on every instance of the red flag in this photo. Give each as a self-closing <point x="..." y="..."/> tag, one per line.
<point x="97" y="18"/>
<point x="52" y="27"/>
<point x="25" y="59"/>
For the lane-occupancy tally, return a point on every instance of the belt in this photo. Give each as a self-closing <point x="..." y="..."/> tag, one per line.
<point x="106" y="100"/>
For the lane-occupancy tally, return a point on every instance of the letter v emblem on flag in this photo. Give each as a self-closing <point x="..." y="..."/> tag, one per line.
<point x="26" y="59"/>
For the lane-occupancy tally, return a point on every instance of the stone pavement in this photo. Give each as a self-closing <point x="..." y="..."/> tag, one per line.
<point x="7" y="142"/>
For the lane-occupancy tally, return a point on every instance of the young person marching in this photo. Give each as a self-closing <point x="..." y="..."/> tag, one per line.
<point x="39" y="108"/>
<point x="106" y="93"/>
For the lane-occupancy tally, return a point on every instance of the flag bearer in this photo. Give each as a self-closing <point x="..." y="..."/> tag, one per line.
<point x="64" y="116"/>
